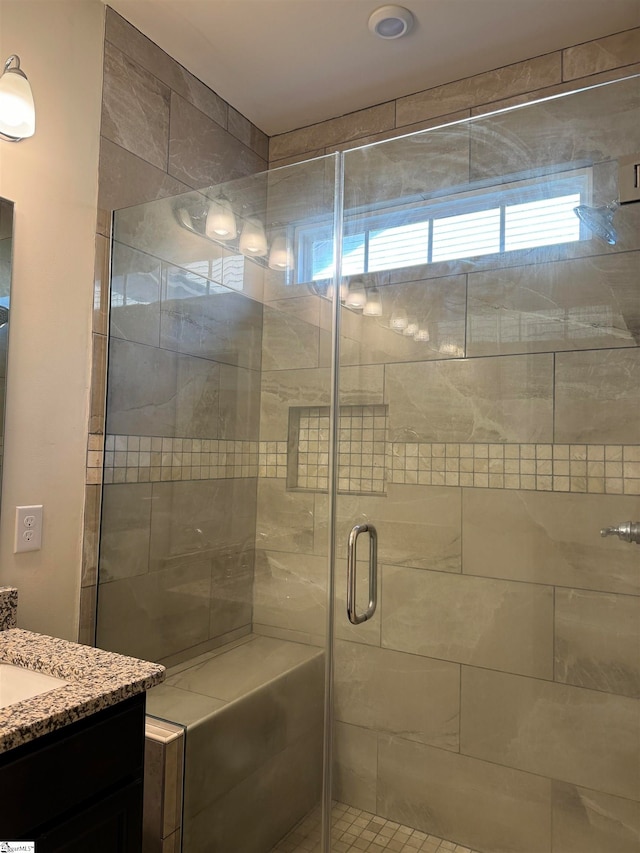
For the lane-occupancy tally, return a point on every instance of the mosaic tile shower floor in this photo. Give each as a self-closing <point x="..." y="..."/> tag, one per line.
<point x="355" y="831"/>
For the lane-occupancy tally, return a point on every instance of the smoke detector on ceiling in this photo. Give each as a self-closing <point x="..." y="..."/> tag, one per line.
<point x="391" y="22"/>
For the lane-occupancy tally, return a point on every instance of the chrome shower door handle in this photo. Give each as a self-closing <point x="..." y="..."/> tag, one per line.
<point x="356" y="530"/>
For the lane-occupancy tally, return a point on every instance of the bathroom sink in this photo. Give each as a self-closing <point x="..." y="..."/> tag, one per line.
<point x="18" y="684"/>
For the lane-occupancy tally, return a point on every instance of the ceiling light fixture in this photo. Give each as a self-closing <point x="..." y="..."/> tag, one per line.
<point x="391" y="22"/>
<point x="17" y="110"/>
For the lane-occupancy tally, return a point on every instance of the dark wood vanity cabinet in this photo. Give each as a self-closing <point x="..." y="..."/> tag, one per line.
<point x="78" y="789"/>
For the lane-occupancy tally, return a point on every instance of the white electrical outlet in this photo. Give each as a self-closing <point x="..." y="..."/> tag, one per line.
<point x="28" y="529"/>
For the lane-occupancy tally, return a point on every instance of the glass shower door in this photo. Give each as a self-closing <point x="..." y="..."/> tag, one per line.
<point x="214" y="534"/>
<point x="489" y="397"/>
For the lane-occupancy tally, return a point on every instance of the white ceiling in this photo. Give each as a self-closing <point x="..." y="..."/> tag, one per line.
<point x="288" y="63"/>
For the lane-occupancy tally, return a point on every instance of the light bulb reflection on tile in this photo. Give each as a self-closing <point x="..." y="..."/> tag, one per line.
<point x="399" y="321"/>
<point x="451" y="348"/>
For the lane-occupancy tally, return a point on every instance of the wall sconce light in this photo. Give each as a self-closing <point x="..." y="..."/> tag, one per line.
<point x="280" y="254"/>
<point x="221" y="220"/>
<point x="17" y="110"/>
<point x="253" y="240"/>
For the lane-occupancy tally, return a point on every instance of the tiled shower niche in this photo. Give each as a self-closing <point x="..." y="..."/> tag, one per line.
<point x="361" y="449"/>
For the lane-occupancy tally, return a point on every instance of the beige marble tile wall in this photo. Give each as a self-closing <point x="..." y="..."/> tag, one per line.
<point x="494" y="698"/>
<point x="163" y="132"/>
<point x="561" y="71"/>
<point x="181" y="461"/>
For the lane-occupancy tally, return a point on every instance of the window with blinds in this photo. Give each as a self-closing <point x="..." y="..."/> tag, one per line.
<point x="523" y="215"/>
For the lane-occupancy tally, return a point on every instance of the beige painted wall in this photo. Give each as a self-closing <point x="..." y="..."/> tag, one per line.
<point x="53" y="180"/>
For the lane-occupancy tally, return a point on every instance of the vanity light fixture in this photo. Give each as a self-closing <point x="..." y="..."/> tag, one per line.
<point x="17" y="110"/>
<point x="391" y="22"/>
<point x="184" y="218"/>
<point x="280" y="254"/>
<point x="356" y="295"/>
<point x="253" y="240"/>
<point x="221" y="220"/>
<point x="344" y="291"/>
<point x="373" y="305"/>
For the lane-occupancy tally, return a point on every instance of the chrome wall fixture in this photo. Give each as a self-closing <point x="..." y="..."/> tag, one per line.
<point x="17" y="109"/>
<point x="628" y="531"/>
<point x="599" y="220"/>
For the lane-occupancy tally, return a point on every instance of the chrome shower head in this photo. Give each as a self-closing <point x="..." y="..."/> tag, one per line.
<point x="599" y="220"/>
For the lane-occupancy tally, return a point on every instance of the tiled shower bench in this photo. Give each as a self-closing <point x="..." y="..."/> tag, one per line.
<point x="253" y="717"/>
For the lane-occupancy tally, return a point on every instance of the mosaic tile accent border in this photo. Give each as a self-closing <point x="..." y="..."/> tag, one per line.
<point x="143" y="459"/>
<point x="361" y="449"/>
<point x="272" y="459"/>
<point x="363" y="466"/>
<point x="593" y="468"/>
<point x="95" y="459"/>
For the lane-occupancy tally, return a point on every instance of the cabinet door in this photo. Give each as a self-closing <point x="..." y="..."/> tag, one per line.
<point x="112" y="825"/>
<point x="67" y="770"/>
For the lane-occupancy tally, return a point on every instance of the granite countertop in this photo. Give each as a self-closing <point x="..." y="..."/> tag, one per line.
<point x="8" y="607"/>
<point x="97" y="679"/>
